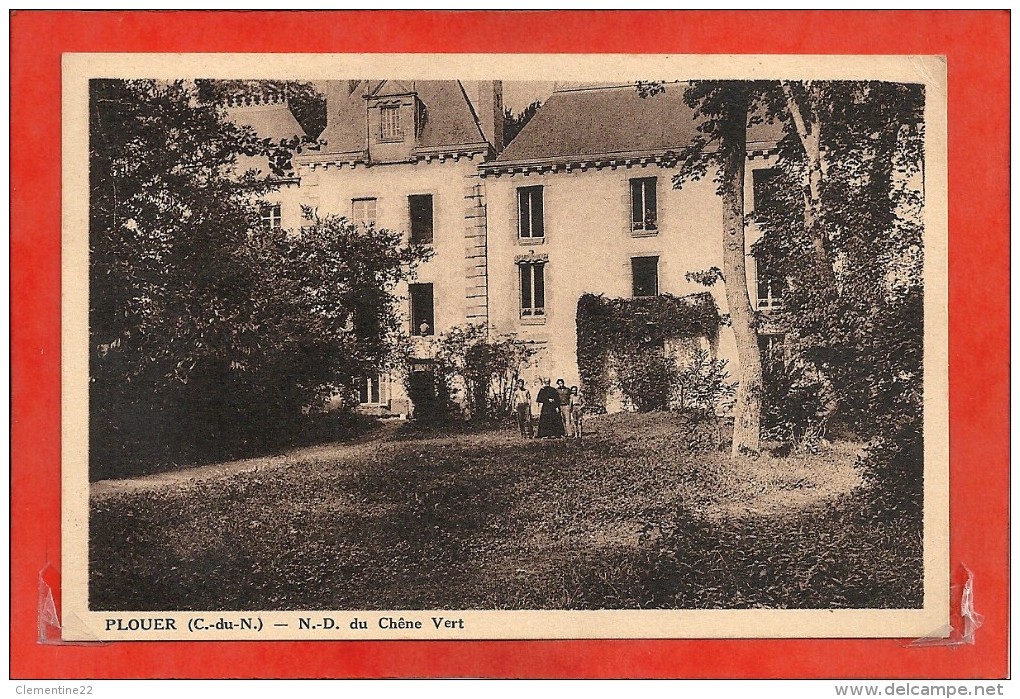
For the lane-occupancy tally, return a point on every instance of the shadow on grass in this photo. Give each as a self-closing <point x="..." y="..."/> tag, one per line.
<point x="846" y="557"/>
<point x="489" y="522"/>
<point x="400" y="534"/>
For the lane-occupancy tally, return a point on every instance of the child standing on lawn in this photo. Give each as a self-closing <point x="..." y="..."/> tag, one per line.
<point x="576" y="410"/>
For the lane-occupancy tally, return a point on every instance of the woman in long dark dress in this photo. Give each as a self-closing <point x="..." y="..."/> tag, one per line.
<point x="550" y="424"/>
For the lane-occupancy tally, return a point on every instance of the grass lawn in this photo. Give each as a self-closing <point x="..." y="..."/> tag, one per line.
<point x="646" y="512"/>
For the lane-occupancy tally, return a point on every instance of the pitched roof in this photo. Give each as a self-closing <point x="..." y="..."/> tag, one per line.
<point x="270" y="118"/>
<point x="592" y="121"/>
<point x="449" y="120"/>
<point x="274" y="120"/>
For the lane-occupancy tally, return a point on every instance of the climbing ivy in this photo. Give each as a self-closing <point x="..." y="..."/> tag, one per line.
<point x="629" y="329"/>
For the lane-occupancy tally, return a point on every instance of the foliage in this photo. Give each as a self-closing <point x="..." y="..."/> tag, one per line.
<point x="486" y="366"/>
<point x="209" y="332"/>
<point x="865" y="292"/>
<point x="837" y="557"/>
<point x="702" y="387"/>
<point x="514" y="123"/>
<point x="645" y="376"/>
<point x="306" y="103"/>
<point x="894" y="464"/>
<point x="635" y="330"/>
<point x="429" y="393"/>
<point x="845" y="228"/>
<point x="706" y="277"/>
<point x="797" y="402"/>
<point x="724" y="110"/>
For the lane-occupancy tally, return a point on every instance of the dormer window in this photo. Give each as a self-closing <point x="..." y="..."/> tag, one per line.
<point x="389" y="124"/>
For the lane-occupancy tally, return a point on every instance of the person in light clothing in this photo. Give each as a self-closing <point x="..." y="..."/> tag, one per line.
<point x="522" y="409"/>
<point x="576" y="411"/>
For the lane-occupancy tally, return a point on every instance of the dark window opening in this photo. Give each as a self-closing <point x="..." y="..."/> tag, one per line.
<point x="368" y="390"/>
<point x="421" y="218"/>
<point x="530" y="215"/>
<point x="643" y="211"/>
<point x="645" y="276"/>
<point x="532" y="290"/>
<point x="766" y="183"/>
<point x="423" y="321"/>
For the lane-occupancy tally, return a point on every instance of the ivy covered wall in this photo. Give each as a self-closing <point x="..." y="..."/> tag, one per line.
<point x="633" y="333"/>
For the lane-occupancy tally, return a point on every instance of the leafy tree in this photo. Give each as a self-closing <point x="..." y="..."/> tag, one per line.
<point x="513" y="123"/>
<point x="724" y="108"/>
<point x="845" y="228"/>
<point x="209" y="331"/>
<point x="486" y="366"/>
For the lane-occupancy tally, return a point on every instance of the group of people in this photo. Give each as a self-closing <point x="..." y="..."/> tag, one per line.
<point x="562" y="410"/>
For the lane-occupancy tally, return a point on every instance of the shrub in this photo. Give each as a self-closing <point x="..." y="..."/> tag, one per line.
<point x="620" y="334"/>
<point x="702" y="387"/>
<point x="796" y="403"/>
<point x="894" y="465"/>
<point x="430" y="395"/>
<point x="485" y="367"/>
<point x="837" y="558"/>
<point x="209" y="331"/>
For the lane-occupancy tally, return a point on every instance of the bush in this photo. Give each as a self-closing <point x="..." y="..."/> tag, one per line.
<point x="837" y="558"/>
<point x="702" y="388"/>
<point x="486" y="366"/>
<point x="894" y="465"/>
<point x="621" y="333"/>
<point x="429" y="393"/>
<point x="796" y="403"/>
<point x="211" y="332"/>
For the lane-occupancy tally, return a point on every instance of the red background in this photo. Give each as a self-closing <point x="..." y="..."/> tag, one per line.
<point x="977" y="46"/>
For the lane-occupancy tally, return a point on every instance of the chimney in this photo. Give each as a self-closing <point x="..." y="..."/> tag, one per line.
<point x="487" y="99"/>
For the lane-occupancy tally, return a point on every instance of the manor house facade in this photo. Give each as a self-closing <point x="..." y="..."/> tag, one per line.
<point x="579" y="202"/>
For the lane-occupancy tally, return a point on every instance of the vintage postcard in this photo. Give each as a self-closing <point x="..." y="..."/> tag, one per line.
<point x="504" y="347"/>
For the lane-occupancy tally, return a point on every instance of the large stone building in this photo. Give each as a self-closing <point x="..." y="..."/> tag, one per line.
<point x="579" y="202"/>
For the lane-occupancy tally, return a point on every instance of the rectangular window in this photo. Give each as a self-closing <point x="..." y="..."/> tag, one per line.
<point x="770" y="287"/>
<point x="421" y="218"/>
<point x="368" y="390"/>
<point x="389" y="124"/>
<point x="643" y="212"/>
<point x="532" y="290"/>
<point x="272" y="217"/>
<point x="363" y="212"/>
<point x="765" y="183"/>
<point x="423" y="319"/>
<point x="645" y="275"/>
<point x="530" y="215"/>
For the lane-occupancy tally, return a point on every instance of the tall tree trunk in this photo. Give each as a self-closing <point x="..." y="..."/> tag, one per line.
<point x="747" y="418"/>
<point x="808" y="127"/>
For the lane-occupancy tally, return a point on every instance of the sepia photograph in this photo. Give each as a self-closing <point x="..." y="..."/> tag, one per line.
<point x="659" y="349"/>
